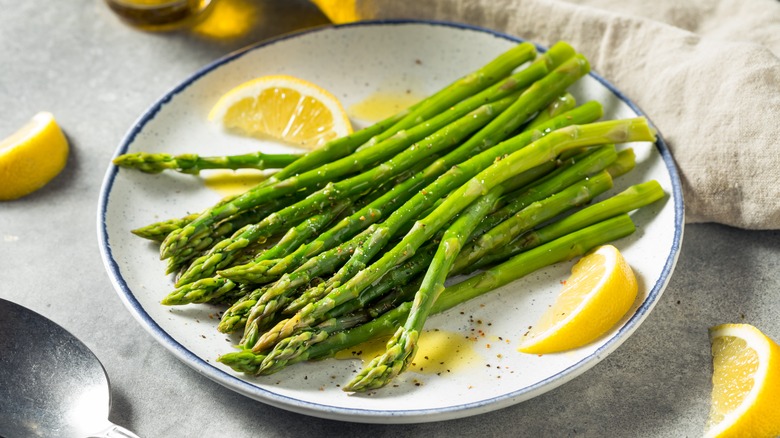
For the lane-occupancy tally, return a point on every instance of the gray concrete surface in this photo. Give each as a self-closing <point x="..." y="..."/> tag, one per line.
<point x="97" y="76"/>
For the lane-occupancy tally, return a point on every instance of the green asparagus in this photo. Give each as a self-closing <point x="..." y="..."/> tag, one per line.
<point x="572" y="170"/>
<point x="539" y="211"/>
<point x="530" y="102"/>
<point x="366" y="157"/>
<point x="208" y="289"/>
<point x="544" y="149"/>
<point x="402" y="347"/>
<point x="372" y="213"/>
<point x="561" y="249"/>
<point x="444" y="138"/>
<point x="355" y="240"/>
<point x="193" y="163"/>
<point x="450" y="180"/>
<point x="630" y="199"/>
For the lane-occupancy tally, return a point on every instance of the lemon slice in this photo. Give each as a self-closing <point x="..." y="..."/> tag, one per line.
<point x="599" y="292"/>
<point x="283" y="108"/>
<point x="745" y="383"/>
<point x="31" y="157"/>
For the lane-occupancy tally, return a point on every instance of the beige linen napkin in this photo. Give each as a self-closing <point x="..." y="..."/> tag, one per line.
<point x="705" y="71"/>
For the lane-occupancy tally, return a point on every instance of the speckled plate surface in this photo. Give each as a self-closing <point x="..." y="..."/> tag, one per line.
<point x="354" y="62"/>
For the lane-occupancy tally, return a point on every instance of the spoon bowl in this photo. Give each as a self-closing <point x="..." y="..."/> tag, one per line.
<point x="51" y="384"/>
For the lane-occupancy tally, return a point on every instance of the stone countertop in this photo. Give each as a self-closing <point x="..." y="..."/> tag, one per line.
<point x="76" y="60"/>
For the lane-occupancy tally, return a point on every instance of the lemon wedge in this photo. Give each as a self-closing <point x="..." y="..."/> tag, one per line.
<point x="597" y="295"/>
<point x="745" y="383"/>
<point x="284" y="108"/>
<point x="31" y="157"/>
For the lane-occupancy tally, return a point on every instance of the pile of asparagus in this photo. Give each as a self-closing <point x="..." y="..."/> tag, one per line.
<point x="483" y="181"/>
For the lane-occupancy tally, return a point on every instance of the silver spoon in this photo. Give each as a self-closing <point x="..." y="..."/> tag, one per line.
<point x="51" y="384"/>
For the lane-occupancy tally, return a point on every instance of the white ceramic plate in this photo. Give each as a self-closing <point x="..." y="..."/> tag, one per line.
<point x="354" y="62"/>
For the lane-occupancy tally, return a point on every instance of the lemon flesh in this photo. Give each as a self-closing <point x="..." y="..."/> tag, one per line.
<point x="31" y="157"/>
<point x="745" y="383"/>
<point x="284" y="108"/>
<point x="597" y="295"/>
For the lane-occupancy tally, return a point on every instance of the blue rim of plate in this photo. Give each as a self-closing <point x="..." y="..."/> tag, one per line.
<point x="367" y="415"/>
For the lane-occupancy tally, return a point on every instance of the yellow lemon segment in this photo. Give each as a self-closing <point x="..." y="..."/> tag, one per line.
<point x="283" y="108"/>
<point x="745" y="383"/>
<point x="31" y="157"/>
<point x="597" y="295"/>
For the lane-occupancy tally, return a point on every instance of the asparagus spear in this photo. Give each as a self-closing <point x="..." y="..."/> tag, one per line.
<point x="193" y="163"/>
<point x="158" y="230"/>
<point x="376" y="152"/>
<point x="542" y="150"/>
<point x="561" y="249"/>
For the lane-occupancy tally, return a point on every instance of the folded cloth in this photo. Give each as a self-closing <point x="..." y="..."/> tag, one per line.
<point x="706" y="72"/>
